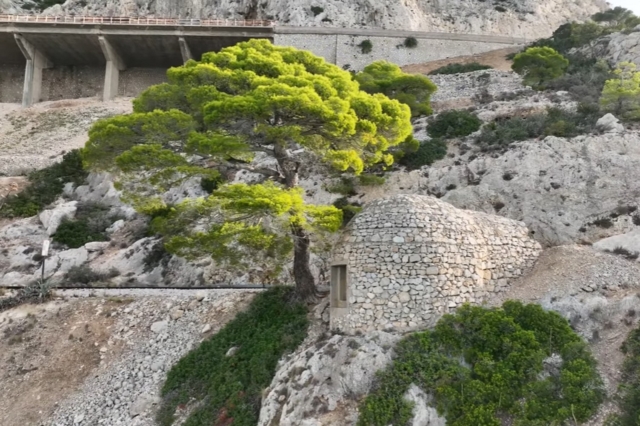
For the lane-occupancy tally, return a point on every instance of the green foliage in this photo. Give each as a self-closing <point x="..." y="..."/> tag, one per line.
<point x="539" y="65"/>
<point x="628" y="396"/>
<point x="556" y="122"/>
<point x="349" y="210"/>
<point x="484" y="365"/>
<point x="453" y="123"/>
<point x="344" y="186"/>
<point x="367" y="179"/>
<point x="230" y="387"/>
<point x="384" y="77"/>
<point x="316" y="10"/>
<point x="45" y="186"/>
<point x="366" y="46"/>
<point x="89" y="224"/>
<point x="460" y="68"/>
<point x="584" y="79"/>
<point x="616" y="17"/>
<point x="214" y="115"/>
<point x="427" y="152"/>
<point x="244" y="225"/>
<point x="410" y="42"/>
<point x="621" y="95"/>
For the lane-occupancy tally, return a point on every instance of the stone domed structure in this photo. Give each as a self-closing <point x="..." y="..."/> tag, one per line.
<point x="406" y="260"/>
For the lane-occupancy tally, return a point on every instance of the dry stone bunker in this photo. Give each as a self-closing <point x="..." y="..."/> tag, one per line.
<point x="406" y="260"/>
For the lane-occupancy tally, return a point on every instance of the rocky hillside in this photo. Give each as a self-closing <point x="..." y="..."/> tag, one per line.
<point x="519" y="18"/>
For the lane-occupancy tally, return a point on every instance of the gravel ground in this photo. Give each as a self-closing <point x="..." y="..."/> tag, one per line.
<point x="156" y="332"/>
<point x="35" y="137"/>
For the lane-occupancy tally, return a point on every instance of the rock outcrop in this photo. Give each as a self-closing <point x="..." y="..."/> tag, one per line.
<point x="519" y="18"/>
<point x="624" y="47"/>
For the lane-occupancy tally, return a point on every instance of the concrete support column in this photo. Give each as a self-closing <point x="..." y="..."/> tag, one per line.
<point x="115" y="64"/>
<point x="184" y="49"/>
<point x="36" y="62"/>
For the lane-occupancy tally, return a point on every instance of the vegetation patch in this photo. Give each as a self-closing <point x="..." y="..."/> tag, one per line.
<point x="627" y="254"/>
<point x="453" y="123"/>
<point x="366" y="46"/>
<point x="554" y="122"/>
<point x="89" y="225"/>
<point x="230" y="387"/>
<point x="410" y="42"/>
<point x="35" y="292"/>
<point x="427" y="153"/>
<point x="44" y="187"/>
<point x="85" y="275"/>
<point x="411" y="89"/>
<point x="316" y="10"/>
<point x="460" y="68"/>
<point x="491" y="367"/>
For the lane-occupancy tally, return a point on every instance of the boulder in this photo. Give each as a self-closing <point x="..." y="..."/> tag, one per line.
<point x="424" y="414"/>
<point x="608" y="123"/>
<point x="52" y="218"/>
<point x="629" y="241"/>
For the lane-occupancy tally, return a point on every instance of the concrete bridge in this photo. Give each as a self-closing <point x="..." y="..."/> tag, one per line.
<point x="117" y="44"/>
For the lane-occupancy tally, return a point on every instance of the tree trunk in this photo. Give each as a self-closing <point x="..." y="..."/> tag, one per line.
<point x="305" y="283"/>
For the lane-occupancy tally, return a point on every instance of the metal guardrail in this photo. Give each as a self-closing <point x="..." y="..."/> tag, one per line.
<point x="121" y="20"/>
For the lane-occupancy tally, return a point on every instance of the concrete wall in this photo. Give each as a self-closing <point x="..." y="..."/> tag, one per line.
<point x="343" y="49"/>
<point x="74" y="82"/>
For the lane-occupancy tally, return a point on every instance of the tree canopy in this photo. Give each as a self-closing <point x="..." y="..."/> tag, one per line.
<point x="539" y="65"/>
<point x="214" y="117"/>
<point x="412" y="89"/>
<point x="621" y="95"/>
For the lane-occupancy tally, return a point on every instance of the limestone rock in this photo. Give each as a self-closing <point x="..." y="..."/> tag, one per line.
<point x="337" y="372"/>
<point x="524" y="18"/>
<point x="609" y="124"/>
<point x="629" y="241"/>
<point x="142" y="404"/>
<point x="232" y="351"/>
<point x="423" y="413"/>
<point x="52" y="218"/>
<point x="624" y="47"/>
<point x="159" y="326"/>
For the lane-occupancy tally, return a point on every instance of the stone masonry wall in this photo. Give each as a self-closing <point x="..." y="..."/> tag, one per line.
<point x="412" y="258"/>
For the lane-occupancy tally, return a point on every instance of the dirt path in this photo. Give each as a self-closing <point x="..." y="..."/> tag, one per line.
<point x="494" y="58"/>
<point x="46" y="352"/>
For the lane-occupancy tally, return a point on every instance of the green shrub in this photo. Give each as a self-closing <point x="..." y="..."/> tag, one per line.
<point x="89" y="224"/>
<point x="539" y="65"/>
<point x="317" y="10"/>
<point x="453" y="123"/>
<point x="232" y="386"/>
<point x="83" y="274"/>
<point x="34" y="292"/>
<point x="45" y="186"/>
<point x="349" y="210"/>
<point x="368" y="179"/>
<point x="344" y="186"/>
<point x="366" y="46"/>
<point x="384" y="77"/>
<point x="557" y="122"/>
<point x="485" y="367"/>
<point x="460" y="68"/>
<point x="410" y="42"/>
<point x="40" y="5"/>
<point x="428" y="152"/>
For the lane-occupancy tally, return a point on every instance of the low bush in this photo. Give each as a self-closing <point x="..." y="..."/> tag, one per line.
<point x="366" y="46"/>
<point x="35" y="292"/>
<point x="344" y="186"/>
<point x="410" y="42"/>
<point x="231" y="386"/>
<point x="89" y="225"/>
<point x="316" y="10"/>
<point x="555" y="122"/>
<point x="427" y="153"/>
<point x="368" y="179"/>
<point x="627" y="254"/>
<point x="460" y="68"/>
<point x="83" y="274"/>
<point x="453" y="123"/>
<point x="44" y="187"/>
<point x="486" y="367"/>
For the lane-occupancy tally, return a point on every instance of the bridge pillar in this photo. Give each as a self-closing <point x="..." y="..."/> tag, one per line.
<point x="115" y="64"/>
<point x="184" y="49"/>
<point x="36" y="62"/>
